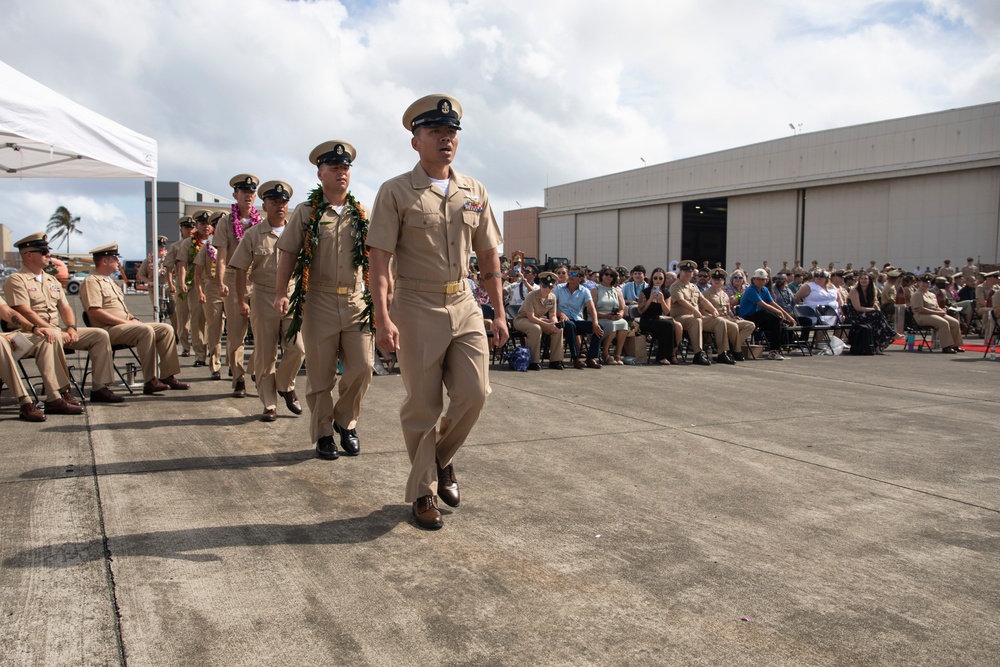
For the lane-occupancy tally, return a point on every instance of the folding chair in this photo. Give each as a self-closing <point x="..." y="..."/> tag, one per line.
<point x="114" y="350"/>
<point x="911" y="328"/>
<point x="808" y="319"/>
<point x="994" y="338"/>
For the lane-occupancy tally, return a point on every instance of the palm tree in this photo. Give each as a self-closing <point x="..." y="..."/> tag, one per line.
<point x="62" y="225"/>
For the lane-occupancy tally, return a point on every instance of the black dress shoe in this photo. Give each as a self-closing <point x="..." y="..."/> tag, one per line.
<point x="349" y="440"/>
<point x="325" y="449"/>
<point x="701" y="359"/>
<point x="240" y="390"/>
<point x="291" y="401"/>
<point x="426" y="514"/>
<point x="199" y="362"/>
<point x="739" y="356"/>
<point x="556" y="365"/>
<point x="534" y="367"/>
<point x="216" y="375"/>
<point x="448" y="486"/>
<point x="186" y="353"/>
<point x="724" y="358"/>
<point x="269" y="415"/>
<point x="105" y="395"/>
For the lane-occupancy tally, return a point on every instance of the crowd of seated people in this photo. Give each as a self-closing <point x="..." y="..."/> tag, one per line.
<point x="595" y="315"/>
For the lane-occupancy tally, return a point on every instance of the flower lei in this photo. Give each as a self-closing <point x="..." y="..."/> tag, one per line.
<point x="196" y="244"/>
<point x="237" y="220"/>
<point x="359" y="255"/>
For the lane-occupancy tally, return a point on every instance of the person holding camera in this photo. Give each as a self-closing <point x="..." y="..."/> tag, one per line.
<point x="654" y="304"/>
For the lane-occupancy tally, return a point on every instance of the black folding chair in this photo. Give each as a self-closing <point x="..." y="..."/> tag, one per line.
<point x="114" y="350"/>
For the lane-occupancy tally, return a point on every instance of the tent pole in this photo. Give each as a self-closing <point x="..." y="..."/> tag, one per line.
<point x="154" y="234"/>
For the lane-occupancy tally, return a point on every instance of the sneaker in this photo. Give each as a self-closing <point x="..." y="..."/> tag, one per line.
<point x="775" y="355"/>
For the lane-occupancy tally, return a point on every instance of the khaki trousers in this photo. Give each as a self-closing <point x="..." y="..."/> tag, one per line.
<point x="97" y="343"/>
<point x="198" y="322"/>
<point x="181" y="320"/>
<point x="738" y="332"/>
<point x="50" y="359"/>
<point x="948" y="329"/>
<point x="8" y="372"/>
<point x="533" y="333"/>
<point x="236" y="330"/>
<point x="214" y="309"/>
<point x="331" y="327"/>
<point x="150" y="341"/>
<point x="717" y="327"/>
<point x="693" y="326"/>
<point x="442" y="342"/>
<point x="268" y="330"/>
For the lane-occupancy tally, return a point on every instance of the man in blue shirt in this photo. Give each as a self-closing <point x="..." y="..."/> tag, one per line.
<point x="758" y="306"/>
<point x="572" y="299"/>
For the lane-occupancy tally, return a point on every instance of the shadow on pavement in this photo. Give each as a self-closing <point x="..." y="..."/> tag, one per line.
<point x="171" y="465"/>
<point x="193" y="543"/>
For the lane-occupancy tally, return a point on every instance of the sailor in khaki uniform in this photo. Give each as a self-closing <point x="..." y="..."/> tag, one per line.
<point x="229" y="230"/>
<point x="180" y="314"/>
<point x="187" y="253"/>
<point x="258" y="254"/>
<point x="42" y="349"/>
<point x="40" y="300"/>
<point x="105" y="306"/>
<point x="539" y="315"/>
<point x="928" y="313"/>
<point x="714" y="322"/>
<point x="685" y="307"/>
<point x="430" y="220"/>
<point x="332" y="317"/>
<point x="984" y="297"/>
<point x="148" y="271"/>
<point x="737" y="329"/>
<point x="207" y="287"/>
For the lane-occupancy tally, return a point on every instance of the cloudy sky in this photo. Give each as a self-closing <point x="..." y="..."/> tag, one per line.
<point x="553" y="91"/>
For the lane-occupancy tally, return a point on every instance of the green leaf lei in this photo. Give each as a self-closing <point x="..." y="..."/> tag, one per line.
<point x="359" y="255"/>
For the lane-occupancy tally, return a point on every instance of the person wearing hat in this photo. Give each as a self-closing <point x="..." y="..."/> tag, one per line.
<point x="208" y="286"/>
<point x="322" y="248"/>
<point x="257" y="253"/>
<point x="928" y="313"/>
<point x="539" y="315"/>
<point x="104" y="303"/>
<point x="733" y="333"/>
<point x="41" y="301"/>
<point x="229" y="231"/>
<point x="48" y="353"/>
<point x="430" y="220"/>
<point x="150" y="271"/>
<point x="783" y="296"/>
<point x="186" y="255"/>
<point x="757" y="305"/>
<point x="887" y="298"/>
<point x="687" y="304"/>
<point x="947" y="270"/>
<point x="180" y="314"/>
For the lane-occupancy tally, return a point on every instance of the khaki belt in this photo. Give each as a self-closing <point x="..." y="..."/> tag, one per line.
<point x="430" y="286"/>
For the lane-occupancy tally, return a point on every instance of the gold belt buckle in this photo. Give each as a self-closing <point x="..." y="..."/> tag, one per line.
<point x="451" y="288"/>
<point x="343" y="290"/>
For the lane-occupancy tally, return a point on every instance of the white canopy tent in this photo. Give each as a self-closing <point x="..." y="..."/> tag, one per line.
<point x="46" y="135"/>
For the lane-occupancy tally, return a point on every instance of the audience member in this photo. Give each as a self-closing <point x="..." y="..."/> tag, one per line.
<point x="632" y="289"/>
<point x="686" y="307"/>
<point x="863" y="308"/>
<point x="737" y="329"/>
<point x="654" y="304"/>
<point x="539" y="315"/>
<point x="757" y="305"/>
<point x="610" y="305"/>
<point x="572" y="299"/>
<point x="928" y="313"/>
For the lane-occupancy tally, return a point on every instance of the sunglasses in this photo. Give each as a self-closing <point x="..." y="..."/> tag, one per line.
<point x="574" y="274"/>
<point x="562" y="273"/>
<point x="41" y="252"/>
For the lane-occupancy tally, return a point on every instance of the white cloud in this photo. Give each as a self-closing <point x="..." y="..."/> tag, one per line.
<point x="553" y="91"/>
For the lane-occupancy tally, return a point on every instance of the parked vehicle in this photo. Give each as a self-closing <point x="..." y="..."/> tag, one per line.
<point x="74" y="282"/>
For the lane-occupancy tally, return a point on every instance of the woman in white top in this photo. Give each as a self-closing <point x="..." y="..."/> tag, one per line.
<point x="818" y="293"/>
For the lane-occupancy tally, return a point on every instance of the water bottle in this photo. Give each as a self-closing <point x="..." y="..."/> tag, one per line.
<point x="993" y="353"/>
<point x="909" y="342"/>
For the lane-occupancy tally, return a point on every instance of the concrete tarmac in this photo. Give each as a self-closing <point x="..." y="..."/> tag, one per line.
<point x="817" y="511"/>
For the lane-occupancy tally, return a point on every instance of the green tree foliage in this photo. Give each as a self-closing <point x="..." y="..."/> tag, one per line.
<point x="62" y="225"/>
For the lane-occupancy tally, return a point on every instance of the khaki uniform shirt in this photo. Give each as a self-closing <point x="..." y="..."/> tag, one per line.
<point x="44" y="298"/>
<point x="721" y="302"/>
<point x="923" y="300"/>
<point x="539" y="306"/>
<point x="146" y="272"/>
<point x="432" y="237"/>
<point x="983" y="294"/>
<point x="970" y="271"/>
<point x="258" y="253"/>
<point x="888" y="296"/>
<point x="688" y="293"/>
<point x="333" y="259"/>
<point x="224" y="238"/>
<point x="99" y="291"/>
<point x="207" y="264"/>
<point x="996" y="299"/>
